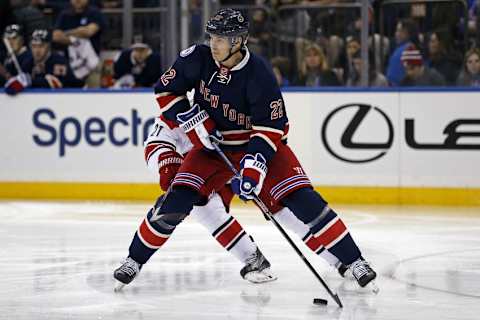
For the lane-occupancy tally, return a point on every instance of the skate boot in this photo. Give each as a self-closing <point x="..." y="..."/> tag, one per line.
<point x="257" y="269"/>
<point x="126" y="273"/>
<point x="364" y="274"/>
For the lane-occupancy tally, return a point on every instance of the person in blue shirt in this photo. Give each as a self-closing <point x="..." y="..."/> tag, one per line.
<point x="74" y="25"/>
<point x="406" y="33"/>
<point x="80" y="20"/>
<point x="137" y="66"/>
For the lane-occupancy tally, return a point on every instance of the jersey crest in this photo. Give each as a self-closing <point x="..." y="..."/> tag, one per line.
<point x="224" y="75"/>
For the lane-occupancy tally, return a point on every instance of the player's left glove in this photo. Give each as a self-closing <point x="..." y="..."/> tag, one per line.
<point x="168" y="164"/>
<point x="199" y="127"/>
<point x="18" y="83"/>
<point x="253" y="172"/>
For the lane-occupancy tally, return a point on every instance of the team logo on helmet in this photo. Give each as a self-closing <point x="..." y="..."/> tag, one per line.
<point x="240" y="18"/>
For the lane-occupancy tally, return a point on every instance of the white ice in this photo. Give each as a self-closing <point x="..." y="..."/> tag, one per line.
<point x="57" y="259"/>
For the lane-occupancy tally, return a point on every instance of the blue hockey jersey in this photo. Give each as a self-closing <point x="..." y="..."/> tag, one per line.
<point x="145" y="74"/>
<point x="52" y="73"/>
<point x="245" y="102"/>
<point x="22" y="56"/>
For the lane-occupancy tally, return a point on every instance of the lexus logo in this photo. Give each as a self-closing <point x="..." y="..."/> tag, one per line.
<point x="356" y="151"/>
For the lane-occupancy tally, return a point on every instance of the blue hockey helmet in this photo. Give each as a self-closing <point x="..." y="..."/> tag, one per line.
<point x="227" y="23"/>
<point x="13" y="31"/>
<point x="40" y="36"/>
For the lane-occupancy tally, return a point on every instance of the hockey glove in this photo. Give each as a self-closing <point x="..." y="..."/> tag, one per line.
<point x="199" y="127"/>
<point x="18" y="83"/>
<point x="253" y="171"/>
<point x="168" y="164"/>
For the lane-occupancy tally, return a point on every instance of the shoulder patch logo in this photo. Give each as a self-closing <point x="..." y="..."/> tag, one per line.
<point x="187" y="51"/>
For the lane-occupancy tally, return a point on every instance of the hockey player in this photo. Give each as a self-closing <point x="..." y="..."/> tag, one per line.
<point x="13" y="34"/>
<point x="164" y="151"/>
<point x="163" y="154"/>
<point x="43" y="69"/>
<point x="237" y="99"/>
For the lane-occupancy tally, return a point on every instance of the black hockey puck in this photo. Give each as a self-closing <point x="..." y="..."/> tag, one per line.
<point x="320" y="301"/>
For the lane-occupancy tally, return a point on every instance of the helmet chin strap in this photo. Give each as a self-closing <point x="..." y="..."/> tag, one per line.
<point x="230" y="53"/>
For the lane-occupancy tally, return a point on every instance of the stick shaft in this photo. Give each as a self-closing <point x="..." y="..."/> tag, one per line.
<point x="267" y="212"/>
<point x="12" y="55"/>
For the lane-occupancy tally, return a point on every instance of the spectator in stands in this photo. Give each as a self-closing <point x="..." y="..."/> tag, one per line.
<point x="137" y="66"/>
<point x="473" y="17"/>
<point x="448" y="15"/>
<point x="416" y="73"/>
<point x="470" y="75"/>
<point x="375" y="79"/>
<point x="477" y="28"/>
<point x="406" y="34"/>
<point x="330" y="24"/>
<point x="260" y="34"/>
<point x="281" y="69"/>
<point x="314" y="69"/>
<point x="345" y="62"/>
<point x="27" y="14"/>
<point x="195" y="8"/>
<point x="43" y="70"/>
<point x="442" y="57"/>
<point x="78" y="29"/>
<point x="14" y="35"/>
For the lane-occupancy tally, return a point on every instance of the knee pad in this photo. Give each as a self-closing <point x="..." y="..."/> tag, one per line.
<point x="164" y="223"/>
<point x="170" y="209"/>
<point x="179" y="200"/>
<point x="306" y="204"/>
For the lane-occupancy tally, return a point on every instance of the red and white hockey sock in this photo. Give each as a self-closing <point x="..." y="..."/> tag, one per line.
<point x="331" y="232"/>
<point x="225" y="228"/>
<point x="287" y="219"/>
<point x="148" y="239"/>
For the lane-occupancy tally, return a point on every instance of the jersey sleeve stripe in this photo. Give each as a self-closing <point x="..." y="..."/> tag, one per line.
<point x="235" y="132"/>
<point x="267" y="139"/>
<point x="234" y="142"/>
<point x="152" y="147"/>
<point x="168" y="101"/>
<point x="268" y="129"/>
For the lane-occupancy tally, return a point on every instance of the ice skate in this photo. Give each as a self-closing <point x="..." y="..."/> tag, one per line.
<point x="126" y="273"/>
<point x="342" y="269"/>
<point x="364" y="274"/>
<point x="257" y="269"/>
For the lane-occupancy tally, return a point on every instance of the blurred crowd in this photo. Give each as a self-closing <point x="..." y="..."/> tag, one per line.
<point x="58" y="43"/>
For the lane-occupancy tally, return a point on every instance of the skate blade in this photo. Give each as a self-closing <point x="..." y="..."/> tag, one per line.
<point x="118" y="286"/>
<point x="373" y="286"/>
<point x="260" y="276"/>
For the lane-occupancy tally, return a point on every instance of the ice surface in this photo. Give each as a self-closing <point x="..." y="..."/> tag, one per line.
<point x="57" y="260"/>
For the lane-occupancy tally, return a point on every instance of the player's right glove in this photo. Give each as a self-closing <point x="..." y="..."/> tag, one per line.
<point x="253" y="172"/>
<point x="199" y="127"/>
<point x="168" y="164"/>
<point x="18" y="83"/>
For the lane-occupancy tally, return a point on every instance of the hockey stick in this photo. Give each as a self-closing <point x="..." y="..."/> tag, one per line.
<point x="267" y="212"/>
<point x="12" y="54"/>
